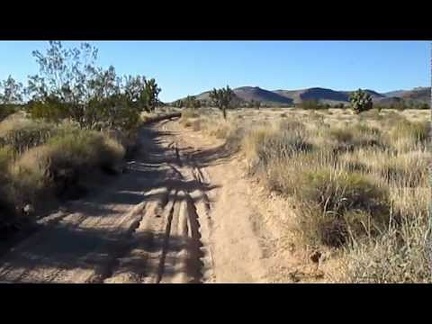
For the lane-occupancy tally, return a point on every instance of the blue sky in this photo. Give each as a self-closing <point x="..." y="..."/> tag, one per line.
<point x="191" y="67"/>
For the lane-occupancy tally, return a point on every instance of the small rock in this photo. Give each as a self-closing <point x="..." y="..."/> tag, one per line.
<point x="315" y="256"/>
<point x="28" y="209"/>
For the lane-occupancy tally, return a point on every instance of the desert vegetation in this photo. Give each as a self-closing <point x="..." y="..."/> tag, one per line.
<point x="356" y="175"/>
<point x="70" y="120"/>
<point x="358" y="182"/>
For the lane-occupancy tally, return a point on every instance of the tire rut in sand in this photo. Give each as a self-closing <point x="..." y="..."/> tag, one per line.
<point x="181" y="252"/>
<point x="120" y="246"/>
<point x="194" y="226"/>
<point x="139" y="261"/>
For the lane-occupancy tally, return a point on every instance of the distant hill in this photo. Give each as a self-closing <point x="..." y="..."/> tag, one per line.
<point x="265" y="96"/>
<point x="420" y="94"/>
<point x="376" y="96"/>
<point x="396" y="93"/>
<point x="247" y="94"/>
<point x="321" y="94"/>
<point x="291" y="97"/>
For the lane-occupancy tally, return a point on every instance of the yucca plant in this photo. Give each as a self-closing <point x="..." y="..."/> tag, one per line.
<point x="361" y="101"/>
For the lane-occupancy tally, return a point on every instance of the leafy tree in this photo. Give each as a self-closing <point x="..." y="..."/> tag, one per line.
<point x="70" y="85"/>
<point x="62" y="86"/>
<point x="222" y="98"/>
<point x="11" y="96"/>
<point x="361" y="101"/>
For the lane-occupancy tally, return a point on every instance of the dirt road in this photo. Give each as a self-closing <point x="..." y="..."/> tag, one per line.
<point x="182" y="213"/>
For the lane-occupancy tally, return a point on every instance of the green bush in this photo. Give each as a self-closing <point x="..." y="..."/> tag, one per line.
<point x="341" y="205"/>
<point x="83" y="150"/>
<point x="312" y="104"/>
<point x="6" y="110"/>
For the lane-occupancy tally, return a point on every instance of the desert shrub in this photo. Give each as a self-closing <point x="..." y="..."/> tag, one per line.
<point x="29" y="177"/>
<point x="264" y="145"/>
<point x="404" y="171"/>
<point x="350" y="138"/>
<point x="339" y="191"/>
<point x="22" y="134"/>
<point x="53" y="167"/>
<point x="6" y="110"/>
<point x="312" y="104"/>
<point x="398" y="255"/>
<point x="406" y="136"/>
<point x="189" y="113"/>
<point x="84" y="150"/>
<point x="344" y="204"/>
<point x="417" y="131"/>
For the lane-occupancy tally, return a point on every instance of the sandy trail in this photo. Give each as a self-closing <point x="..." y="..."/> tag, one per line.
<point x="182" y="213"/>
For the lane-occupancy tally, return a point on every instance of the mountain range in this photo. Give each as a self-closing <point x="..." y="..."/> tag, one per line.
<point x="419" y="95"/>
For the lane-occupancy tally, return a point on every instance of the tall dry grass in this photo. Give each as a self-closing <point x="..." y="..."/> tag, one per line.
<point x="40" y="162"/>
<point x="360" y="184"/>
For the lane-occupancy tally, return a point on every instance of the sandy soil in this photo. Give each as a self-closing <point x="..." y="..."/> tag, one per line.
<point x="183" y="212"/>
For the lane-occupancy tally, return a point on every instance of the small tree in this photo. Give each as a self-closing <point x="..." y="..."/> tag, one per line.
<point x="222" y="98"/>
<point x="361" y="101"/>
<point x="151" y="92"/>
<point x="192" y="102"/>
<point x="10" y="96"/>
<point x="254" y="104"/>
<point x="258" y="104"/>
<point x="311" y="104"/>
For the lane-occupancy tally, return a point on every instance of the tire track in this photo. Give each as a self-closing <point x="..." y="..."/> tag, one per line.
<point x="157" y="227"/>
<point x="121" y="246"/>
<point x="195" y="256"/>
<point x="10" y="273"/>
<point x="166" y="238"/>
<point x="135" y="263"/>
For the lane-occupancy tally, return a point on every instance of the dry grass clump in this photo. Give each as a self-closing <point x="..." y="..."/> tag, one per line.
<point x="39" y="162"/>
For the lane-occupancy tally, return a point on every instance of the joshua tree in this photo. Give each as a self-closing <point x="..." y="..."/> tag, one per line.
<point x="222" y="98"/>
<point x="361" y="101"/>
